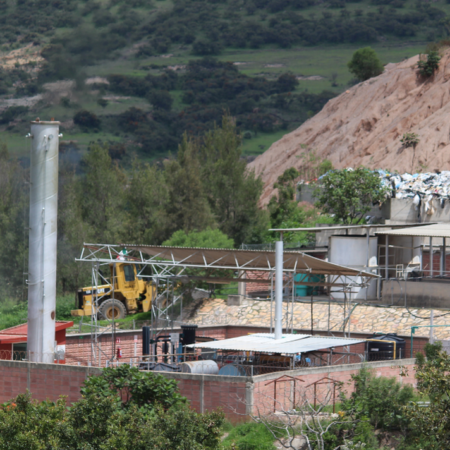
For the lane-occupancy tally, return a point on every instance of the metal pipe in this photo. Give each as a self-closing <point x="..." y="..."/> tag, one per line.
<point x="386" y="269"/>
<point x="42" y="241"/>
<point x="278" y="289"/>
<point x="444" y="251"/>
<point x="431" y="257"/>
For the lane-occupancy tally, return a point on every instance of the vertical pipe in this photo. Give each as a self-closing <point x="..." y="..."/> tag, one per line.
<point x="386" y="269"/>
<point x="444" y="251"/>
<point x="442" y="259"/>
<point x="271" y="302"/>
<point x="42" y="241"/>
<point x="431" y="258"/>
<point x="431" y="327"/>
<point x="278" y="289"/>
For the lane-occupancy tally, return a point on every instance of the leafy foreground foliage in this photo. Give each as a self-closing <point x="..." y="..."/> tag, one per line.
<point x="154" y="414"/>
<point x="432" y="424"/>
<point x="349" y="194"/>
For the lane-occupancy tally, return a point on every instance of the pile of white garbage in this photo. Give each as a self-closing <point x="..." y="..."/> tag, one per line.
<point x="419" y="186"/>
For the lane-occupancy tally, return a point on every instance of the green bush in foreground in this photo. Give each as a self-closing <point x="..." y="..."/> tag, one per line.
<point x="249" y="436"/>
<point x="123" y="409"/>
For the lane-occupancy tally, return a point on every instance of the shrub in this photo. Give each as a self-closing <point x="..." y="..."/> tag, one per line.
<point x="410" y="140"/>
<point x="249" y="436"/>
<point x="12" y="113"/>
<point x="206" y="48"/>
<point x="428" y="67"/>
<point x="365" y="64"/>
<point x="86" y="120"/>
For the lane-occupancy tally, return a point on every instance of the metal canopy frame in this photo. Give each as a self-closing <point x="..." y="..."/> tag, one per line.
<point x="168" y="265"/>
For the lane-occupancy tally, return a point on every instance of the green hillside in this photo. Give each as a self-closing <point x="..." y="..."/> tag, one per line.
<point x="144" y="72"/>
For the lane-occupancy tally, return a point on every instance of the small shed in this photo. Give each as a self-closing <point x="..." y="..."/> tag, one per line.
<point x="13" y="342"/>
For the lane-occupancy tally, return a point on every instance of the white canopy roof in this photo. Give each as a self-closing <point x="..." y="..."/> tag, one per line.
<point x="289" y="344"/>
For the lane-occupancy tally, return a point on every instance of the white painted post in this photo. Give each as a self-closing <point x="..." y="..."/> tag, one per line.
<point x="278" y="289"/>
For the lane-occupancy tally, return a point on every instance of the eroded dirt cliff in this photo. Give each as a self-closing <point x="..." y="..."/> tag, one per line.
<point x="364" y="125"/>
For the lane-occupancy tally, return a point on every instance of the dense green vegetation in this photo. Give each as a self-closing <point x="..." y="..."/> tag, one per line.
<point x="120" y="409"/>
<point x="158" y="87"/>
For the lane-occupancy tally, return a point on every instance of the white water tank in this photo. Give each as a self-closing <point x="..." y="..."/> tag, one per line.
<point x="206" y="367"/>
<point x="353" y="251"/>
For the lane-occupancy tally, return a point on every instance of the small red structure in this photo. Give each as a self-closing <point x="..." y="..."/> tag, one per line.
<point x="13" y="342"/>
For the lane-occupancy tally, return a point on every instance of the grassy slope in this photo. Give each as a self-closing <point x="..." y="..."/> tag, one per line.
<point x="320" y="61"/>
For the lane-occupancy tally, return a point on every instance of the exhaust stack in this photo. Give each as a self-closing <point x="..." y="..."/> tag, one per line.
<point x="42" y="241"/>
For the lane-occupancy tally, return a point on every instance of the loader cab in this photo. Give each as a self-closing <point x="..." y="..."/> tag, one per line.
<point x="124" y="278"/>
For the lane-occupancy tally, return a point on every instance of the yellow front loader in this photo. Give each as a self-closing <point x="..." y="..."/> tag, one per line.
<point x="125" y="293"/>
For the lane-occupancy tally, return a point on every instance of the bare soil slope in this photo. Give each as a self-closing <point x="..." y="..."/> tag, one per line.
<point x="364" y="125"/>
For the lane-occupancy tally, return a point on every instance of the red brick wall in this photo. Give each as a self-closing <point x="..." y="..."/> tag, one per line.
<point x="267" y="396"/>
<point x="236" y="396"/>
<point x="44" y="381"/>
<point x="426" y="263"/>
<point x="78" y="347"/>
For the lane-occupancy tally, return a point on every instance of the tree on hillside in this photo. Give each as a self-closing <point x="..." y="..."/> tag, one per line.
<point x="349" y="194"/>
<point x="365" y="64"/>
<point x="187" y="207"/>
<point x="209" y="238"/>
<point x="14" y="192"/>
<point x="101" y="195"/>
<point x="232" y="190"/>
<point x="147" y="198"/>
<point x="281" y="206"/>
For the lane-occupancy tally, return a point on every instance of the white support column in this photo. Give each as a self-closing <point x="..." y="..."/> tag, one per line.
<point x="42" y="241"/>
<point x="278" y="289"/>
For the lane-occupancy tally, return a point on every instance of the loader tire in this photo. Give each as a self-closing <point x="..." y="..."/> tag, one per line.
<point x="112" y="308"/>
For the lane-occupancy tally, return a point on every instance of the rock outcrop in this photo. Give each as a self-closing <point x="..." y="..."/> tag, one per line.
<point x="363" y="127"/>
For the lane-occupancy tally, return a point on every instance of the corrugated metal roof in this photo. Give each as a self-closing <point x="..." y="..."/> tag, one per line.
<point x="241" y="259"/>
<point x="441" y="230"/>
<point x="347" y="227"/>
<point x="289" y="344"/>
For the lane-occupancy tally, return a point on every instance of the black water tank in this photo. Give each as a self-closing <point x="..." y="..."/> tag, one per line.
<point x="378" y="351"/>
<point x="189" y="334"/>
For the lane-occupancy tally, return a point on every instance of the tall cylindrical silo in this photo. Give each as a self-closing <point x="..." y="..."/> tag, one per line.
<point x="42" y="241"/>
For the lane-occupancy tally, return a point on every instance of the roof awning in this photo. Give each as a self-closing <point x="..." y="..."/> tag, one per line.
<point x="346" y="227"/>
<point x="297" y="262"/>
<point x="289" y="344"/>
<point x="19" y="333"/>
<point x="438" y="230"/>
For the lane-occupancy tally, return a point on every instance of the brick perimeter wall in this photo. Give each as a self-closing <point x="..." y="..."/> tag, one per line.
<point x="264" y="391"/>
<point x="237" y="396"/>
<point x="44" y="381"/>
